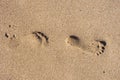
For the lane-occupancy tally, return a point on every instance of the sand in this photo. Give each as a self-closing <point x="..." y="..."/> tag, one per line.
<point x="59" y="39"/>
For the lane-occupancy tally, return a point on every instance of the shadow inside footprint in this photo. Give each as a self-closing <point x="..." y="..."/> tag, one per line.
<point x="74" y="37"/>
<point x="6" y="35"/>
<point x="103" y="42"/>
<point x="40" y="35"/>
<point x="101" y="46"/>
<point x="73" y="40"/>
<point x="37" y="36"/>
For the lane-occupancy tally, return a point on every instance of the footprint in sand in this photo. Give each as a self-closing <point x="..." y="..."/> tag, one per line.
<point x="41" y="37"/>
<point x="11" y="37"/>
<point x="35" y="39"/>
<point x="73" y="41"/>
<point x="101" y="46"/>
<point x="97" y="46"/>
<point x="13" y="41"/>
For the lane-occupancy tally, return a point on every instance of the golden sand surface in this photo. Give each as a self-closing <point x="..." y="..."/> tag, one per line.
<point x="59" y="39"/>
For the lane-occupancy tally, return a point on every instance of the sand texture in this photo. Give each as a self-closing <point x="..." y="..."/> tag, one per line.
<point x="59" y="39"/>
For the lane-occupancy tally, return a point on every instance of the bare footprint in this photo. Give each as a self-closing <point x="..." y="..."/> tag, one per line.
<point x="35" y="39"/>
<point x="43" y="39"/>
<point x="97" y="47"/>
<point x="13" y="42"/>
<point x="10" y="35"/>
<point x="73" y="41"/>
<point x="101" y="46"/>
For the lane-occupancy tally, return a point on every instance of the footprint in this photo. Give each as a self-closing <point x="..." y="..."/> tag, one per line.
<point x="35" y="39"/>
<point x="13" y="42"/>
<point x="101" y="46"/>
<point x="43" y="39"/>
<point x="97" y="47"/>
<point x="73" y="41"/>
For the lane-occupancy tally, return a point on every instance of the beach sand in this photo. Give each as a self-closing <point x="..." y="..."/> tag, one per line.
<point x="59" y="39"/>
